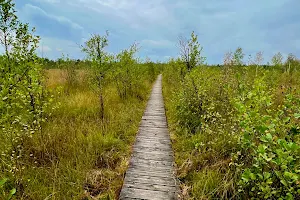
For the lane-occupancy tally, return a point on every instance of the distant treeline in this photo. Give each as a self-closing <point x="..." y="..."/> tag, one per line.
<point x="62" y="63"/>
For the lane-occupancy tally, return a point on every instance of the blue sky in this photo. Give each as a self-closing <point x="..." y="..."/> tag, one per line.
<point x="221" y="25"/>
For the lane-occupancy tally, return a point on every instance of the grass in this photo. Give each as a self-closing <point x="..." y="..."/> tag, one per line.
<point x="203" y="125"/>
<point x="77" y="155"/>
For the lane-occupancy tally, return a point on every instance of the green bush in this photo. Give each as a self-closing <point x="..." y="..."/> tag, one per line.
<point x="238" y="123"/>
<point x="268" y="162"/>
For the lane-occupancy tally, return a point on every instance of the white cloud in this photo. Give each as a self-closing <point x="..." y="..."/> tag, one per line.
<point x="158" y="43"/>
<point x="135" y="14"/>
<point x="266" y="26"/>
<point x="29" y="9"/>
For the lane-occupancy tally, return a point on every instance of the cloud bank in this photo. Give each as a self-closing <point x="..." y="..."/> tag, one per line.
<point x="268" y="26"/>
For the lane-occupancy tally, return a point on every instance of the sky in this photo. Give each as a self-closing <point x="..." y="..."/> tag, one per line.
<point x="269" y="26"/>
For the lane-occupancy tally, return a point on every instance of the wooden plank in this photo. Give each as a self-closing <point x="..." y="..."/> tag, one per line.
<point x="155" y="129"/>
<point x="151" y="162"/>
<point x="155" y="120"/>
<point x="153" y="136"/>
<point x="149" y="186"/>
<point x="134" y="193"/>
<point x="150" y="167"/>
<point x="159" y="135"/>
<point x="153" y="143"/>
<point x="149" y="143"/>
<point x="154" y="156"/>
<point x="152" y="139"/>
<point x="150" y="149"/>
<point x="151" y="118"/>
<point x="155" y="152"/>
<point x="151" y="172"/>
<point x="137" y="178"/>
<point x="157" y="157"/>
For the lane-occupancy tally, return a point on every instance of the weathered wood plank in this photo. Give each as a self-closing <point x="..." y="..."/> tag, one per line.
<point x="153" y="143"/>
<point x="149" y="149"/>
<point x="153" y="123"/>
<point x="150" y="167"/>
<point x="153" y="157"/>
<point x="151" y="172"/>
<point x="133" y="193"/>
<point x="151" y="162"/>
<point x="153" y="153"/>
<point x="148" y="186"/>
<point x="160" y="130"/>
<point x="134" y="178"/>
<point x="153" y="140"/>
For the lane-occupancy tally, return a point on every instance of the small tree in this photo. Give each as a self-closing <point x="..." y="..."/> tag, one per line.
<point x="291" y="63"/>
<point x="151" y="69"/>
<point x="250" y="60"/>
<point x="190" y="51"/>
<point x="238" y="56"/>
<point x="277" y="59"/>
<point x="25" y="103"/>
<point x="95" y="51"/>
<point x="124" y="73"/>
<point x="22" y="81"/>
<point x="8" y="24"/>
<point x="258" y="60"/>
<point x="228" y="58"/>
<point x="228" y="62"/>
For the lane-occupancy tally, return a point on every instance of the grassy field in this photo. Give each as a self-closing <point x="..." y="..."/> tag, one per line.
<point x="78" y="155"/>
<point x="67" y="126"/>
<point x="232" y="130"/>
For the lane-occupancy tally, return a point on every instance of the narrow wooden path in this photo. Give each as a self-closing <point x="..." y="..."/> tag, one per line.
<point x="151" y="172"/>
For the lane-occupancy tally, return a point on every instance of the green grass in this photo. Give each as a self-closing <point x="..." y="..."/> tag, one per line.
<point x="77" y="155"/>
<point x="205" y="128"/>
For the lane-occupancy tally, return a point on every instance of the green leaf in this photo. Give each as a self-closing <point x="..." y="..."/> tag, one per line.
<point x="252" y="176"/>
<point x="261" y="149"/>
<point x="246" y="175"/>
<point x="3" y="181"/>
<point x="11" y="193"/>
<point x="287" y="174"/>
<point x="269" y="137"/>
<point x="267" y="175"/>
<point x="297" y="115"/>
<point x="262" y="129"/>
<point x="266" y="138"/>
<point x="283" y="182"/>
<point x="289" y="196"/>
<point x="286" y="119"/>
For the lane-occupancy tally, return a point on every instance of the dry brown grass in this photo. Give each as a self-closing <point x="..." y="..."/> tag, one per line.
<point x="58" y="77"/>
<point x="79" y="156"/>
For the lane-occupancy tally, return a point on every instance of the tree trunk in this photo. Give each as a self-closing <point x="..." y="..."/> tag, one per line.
<point x="101" y="105"/>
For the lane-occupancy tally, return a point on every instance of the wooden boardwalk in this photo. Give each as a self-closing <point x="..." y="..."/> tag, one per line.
<point x="151" y="172"/>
